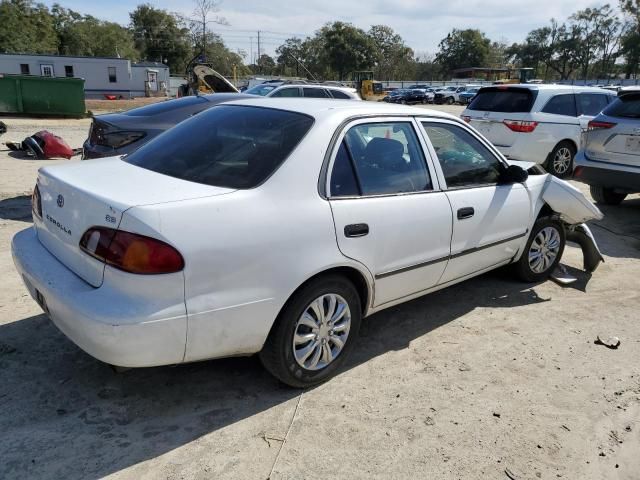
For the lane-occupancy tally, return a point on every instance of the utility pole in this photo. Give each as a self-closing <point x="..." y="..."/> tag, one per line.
<point x="258" y="61"/>
<point x="251" y="59"/>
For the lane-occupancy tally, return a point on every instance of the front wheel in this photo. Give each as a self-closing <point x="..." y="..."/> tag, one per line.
<point x="450" y="101"/>
<point x="314" y="332"/>
<point x="606" y="196"/>
<point x="543" y="250"/>
<point x="560" y="161"/>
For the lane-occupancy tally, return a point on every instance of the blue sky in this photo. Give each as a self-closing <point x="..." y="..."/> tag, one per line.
<point x="421" y="23"/>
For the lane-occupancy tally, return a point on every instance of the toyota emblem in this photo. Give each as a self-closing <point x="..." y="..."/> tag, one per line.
<point x="60" y="201"/>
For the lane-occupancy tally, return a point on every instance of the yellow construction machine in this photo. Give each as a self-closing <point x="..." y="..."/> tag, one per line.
<point x="367" y="87"/>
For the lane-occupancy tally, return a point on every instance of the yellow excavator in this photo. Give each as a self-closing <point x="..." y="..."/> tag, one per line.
<point x="367" y="87"/>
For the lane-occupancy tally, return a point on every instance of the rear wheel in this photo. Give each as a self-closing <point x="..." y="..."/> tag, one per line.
<point x="543" y="250"/>
<point x="606" y="196"/>
<point x="314" y="333"/>
<point x="560" y="161"/>
<point x="450" y="101"/>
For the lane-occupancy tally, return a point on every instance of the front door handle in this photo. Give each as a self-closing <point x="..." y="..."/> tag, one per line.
<point x="356" y="230"/>
<point x="466" y="212"/>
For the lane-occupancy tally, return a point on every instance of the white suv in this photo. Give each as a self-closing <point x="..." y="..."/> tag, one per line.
<point x="305" y="90"/>
<point x="537" y="123"/>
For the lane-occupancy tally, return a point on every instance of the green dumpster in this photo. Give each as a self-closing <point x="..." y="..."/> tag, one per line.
<point x="33" y="95"/>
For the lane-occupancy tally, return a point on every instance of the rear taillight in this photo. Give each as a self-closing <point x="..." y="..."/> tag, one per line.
<point x="36" y="202"/>
<point x="131" y="252"/>
<point x="595" y="125"/>
<point x="466" y="118"/>
<point x="521" y="126"/>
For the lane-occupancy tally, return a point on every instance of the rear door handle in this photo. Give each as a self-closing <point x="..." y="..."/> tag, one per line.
<point x="356" y="230"/>
<point x="466" y="212"/>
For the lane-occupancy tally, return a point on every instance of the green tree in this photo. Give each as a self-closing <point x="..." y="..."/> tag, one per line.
<point x="345" y="48"/>
<point x="265" y="65"/>
<point x="394" y="59"/>
<point x="26" y="27"/>
<point x="463" y="48"/>
<point x="86" y="35"/>
<point x="630" y="42"/>
<point x="289" y="57"/>
<point x="160" y="35"/>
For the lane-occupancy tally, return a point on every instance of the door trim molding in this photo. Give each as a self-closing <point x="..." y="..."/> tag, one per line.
<point x="379" y="276"/>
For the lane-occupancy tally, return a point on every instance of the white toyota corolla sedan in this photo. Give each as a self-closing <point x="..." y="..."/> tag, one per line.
<point x="276" y="225"/>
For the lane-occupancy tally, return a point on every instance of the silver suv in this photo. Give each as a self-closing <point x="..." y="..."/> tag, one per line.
<point x="609" y="157"/>
<point x="305" y="90"/>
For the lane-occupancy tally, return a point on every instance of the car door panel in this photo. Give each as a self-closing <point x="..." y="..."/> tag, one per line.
<point x="388" y="213"/>
<point x="493" y="234"/>
<point x="407" y="246"/>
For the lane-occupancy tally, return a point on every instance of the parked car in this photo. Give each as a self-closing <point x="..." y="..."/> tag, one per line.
<point x="389" y="98"/>
<point x="451" y="95"/>
<point x="307" y="90"/>
<point x="275" y="226"/>
<point x="537" y="123"/>
<point x="410" y="97"/>
<point x="609" y="157"/>
<point x="465" y="97"/>
<point x="121" y="133"/>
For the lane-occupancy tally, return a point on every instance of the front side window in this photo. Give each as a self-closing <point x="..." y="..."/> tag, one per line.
<point x="225" y="146"/>
<point x="564" y="104"/>
<point x="465" y="161"/>
<point x="112" y="74"/>
<point x="387" y="159"/>
<point x="592" y="103"/>
<point x="287" y="92"/>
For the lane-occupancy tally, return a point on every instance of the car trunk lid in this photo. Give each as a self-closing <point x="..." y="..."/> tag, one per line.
<point x="76" y="197"/>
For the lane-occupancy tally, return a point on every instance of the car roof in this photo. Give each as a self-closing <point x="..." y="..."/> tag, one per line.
<point x="320" y="108"/>
<point x="318" y="85"/>
<point x="550" y="87"/>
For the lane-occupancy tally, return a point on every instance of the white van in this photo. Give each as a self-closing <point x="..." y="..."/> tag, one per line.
<point x="536" y="123"/>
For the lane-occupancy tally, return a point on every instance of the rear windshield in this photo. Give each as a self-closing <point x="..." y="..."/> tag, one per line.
<point x="225" y="146"/>
<point x="508" y="100"/>
<point x="166" y="106"/>
<point x="626" y="106"/>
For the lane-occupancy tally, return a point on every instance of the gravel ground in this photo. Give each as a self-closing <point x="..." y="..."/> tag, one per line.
<point x="488" y="379"/>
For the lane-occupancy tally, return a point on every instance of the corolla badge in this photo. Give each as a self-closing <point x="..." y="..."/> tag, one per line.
<point x="60" y="201"/>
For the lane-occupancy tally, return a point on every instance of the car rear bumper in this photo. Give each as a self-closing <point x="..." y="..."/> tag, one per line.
<point x="114" y="329"/>
<point x="601" y="174"/>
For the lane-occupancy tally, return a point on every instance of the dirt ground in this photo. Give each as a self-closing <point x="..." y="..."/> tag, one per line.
<point x="488" y="379"/>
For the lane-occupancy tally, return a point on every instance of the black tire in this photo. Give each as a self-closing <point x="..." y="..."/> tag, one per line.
<point x="557" y="164"/>
<point x="450" y="101"/>
<point x="523" y="268"/>
<point x="277" y="355"/>
<point x="606" y="196"/>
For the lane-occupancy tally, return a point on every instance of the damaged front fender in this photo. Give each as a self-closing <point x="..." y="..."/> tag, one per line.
<point x="569" y="202"/>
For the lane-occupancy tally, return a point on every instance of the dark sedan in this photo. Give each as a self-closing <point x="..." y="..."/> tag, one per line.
<point x="121" y="133"/>
<point x="409" y="97"/>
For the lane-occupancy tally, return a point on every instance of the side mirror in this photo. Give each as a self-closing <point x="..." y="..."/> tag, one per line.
<point x="515" y="174"/>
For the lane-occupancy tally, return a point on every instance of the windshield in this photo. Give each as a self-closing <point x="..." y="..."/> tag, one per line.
<point x="261" y="89"/>
<point x="228" y="146"/>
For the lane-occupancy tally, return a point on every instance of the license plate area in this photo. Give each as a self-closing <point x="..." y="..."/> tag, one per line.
<point x="632" y="144"/>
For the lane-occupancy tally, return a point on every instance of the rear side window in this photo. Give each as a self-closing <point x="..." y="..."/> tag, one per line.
<point x="287" y="92"/>
<point x="592" y="103"/>
<point x="340" y="95"/>
<point x="343" y="177"/>
<point x="225" y="146"/>
<point x="507" y="100"/>
<point x="564" y="104"/>
<point x="626" y="106"/>
<point x="388" y="158"/>
<point x="315" y="93"/>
